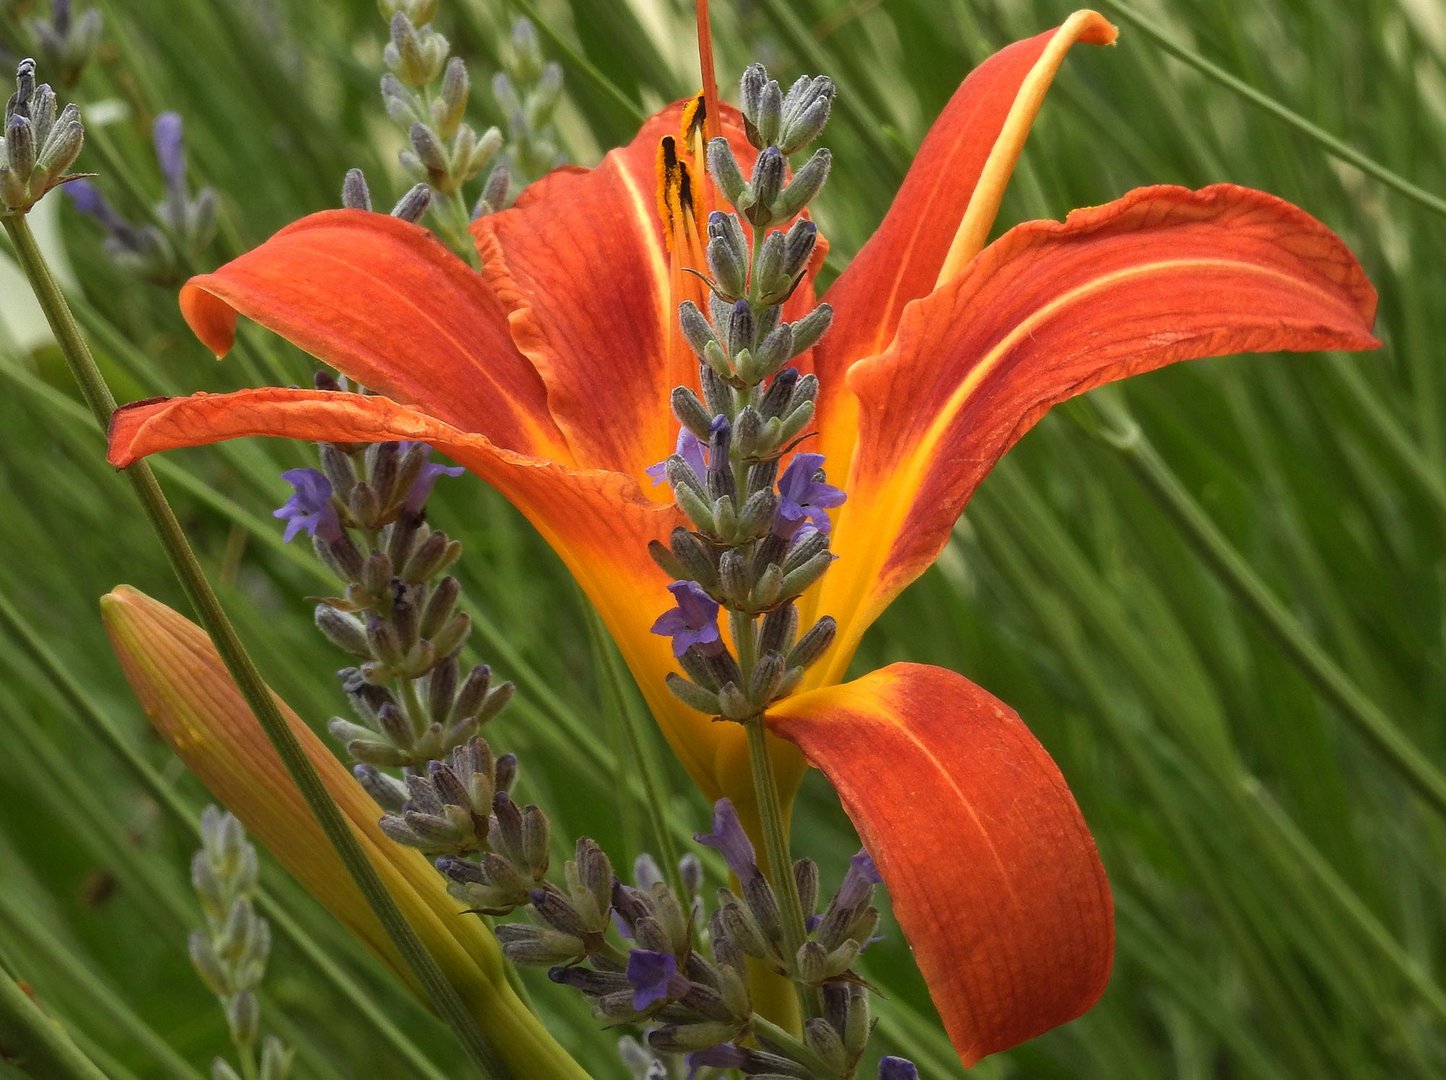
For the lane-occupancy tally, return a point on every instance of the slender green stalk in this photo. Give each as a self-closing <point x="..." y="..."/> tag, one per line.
<point x="1121" y="432"/>
<point x="34" y="1040"/>
<point x="775" y="839"/>
<point x="248" y="680"/>
<point x="653" y="795"/>
<point x="1334" y="146"/>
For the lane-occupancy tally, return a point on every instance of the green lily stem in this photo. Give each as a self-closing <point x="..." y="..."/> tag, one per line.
<point x="1120" y="431"/>
<point x="442" y="994"/>
<point x="775" y="844"/>
<point x="653" y="795"/>
<point x="36" y="1041"/>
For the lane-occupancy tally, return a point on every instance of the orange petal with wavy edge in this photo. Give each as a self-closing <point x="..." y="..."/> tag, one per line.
<point x="1048" y="311"/>
<point x="901" y="261"/>
<point x="598" y="523"/>
<point x="992" y="872"/>
<point x="386" y="304"/>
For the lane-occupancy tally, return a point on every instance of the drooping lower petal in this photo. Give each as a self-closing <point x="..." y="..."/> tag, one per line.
<point x="1049" y="311"/>
<point x="598" y="522"/>
<point x="193" y="704"/>
<point x="901" y="261"/>
<point x="991" y="870"/>
<point x="382" y="301"/>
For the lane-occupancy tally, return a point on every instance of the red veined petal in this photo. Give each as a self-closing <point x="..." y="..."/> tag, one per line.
<point x="1048" y="311"/>
<point x="992" y="872"/>
<point x="386" y="304"/>
<point x="598" y="523"/>
<point x="581" y="265"/>
<point x="902" y="260"/>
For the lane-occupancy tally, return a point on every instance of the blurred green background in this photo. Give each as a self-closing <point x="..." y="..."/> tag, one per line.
<point x="1215" y="594"/>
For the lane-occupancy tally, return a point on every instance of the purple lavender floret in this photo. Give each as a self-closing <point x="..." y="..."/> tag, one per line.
<point x="654" y="978"/>
<point x="897" y="1068"/>
<point x="729" y="838"/>
<point x="858" y="883"/>
<point x="309" y="507"/>
<point x="691" y="450"/>
<point x="804" y="497"/>
<point x="421" y="489"/>
<point x="166" y="134"/>
<point x="693" y="622"/>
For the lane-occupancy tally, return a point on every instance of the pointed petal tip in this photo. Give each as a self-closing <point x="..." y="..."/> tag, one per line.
<point x="210" y="318"/>
<point x="1011" y="922"/>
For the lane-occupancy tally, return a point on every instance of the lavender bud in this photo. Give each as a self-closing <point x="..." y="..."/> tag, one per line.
<point x="768" y="173"/>
<point x="692" y="695"/>
<point x="343" y="630"/>
<point x="723" y="167"/>
<point x="413" y="204"/>
<point x="806" y="183"/>
<point x="813" y="644"/>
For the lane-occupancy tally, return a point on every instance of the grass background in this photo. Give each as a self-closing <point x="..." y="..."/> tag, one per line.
<point x="1215" y="594"/>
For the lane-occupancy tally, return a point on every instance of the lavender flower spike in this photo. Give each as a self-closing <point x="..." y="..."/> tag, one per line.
<point x="729" y="838"/>
<point x="693" y="622"/>
<point x="654" y="978"/>
<point x="804" y="496"/>
<point x="309" y="507"/>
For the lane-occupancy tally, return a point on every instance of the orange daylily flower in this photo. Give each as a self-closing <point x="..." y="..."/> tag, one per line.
<point x="549" y="375"/>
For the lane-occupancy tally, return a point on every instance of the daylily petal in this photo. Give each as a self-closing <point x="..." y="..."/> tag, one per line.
<point x="992" y="872"/>
<point x="386" y="304"/>
<point x="193" y="704"/>
<point x="901" y="261"/>
<point x="1049" y="311"/>
<point x="598" y="522"/>
<point x="582" y="266"/>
